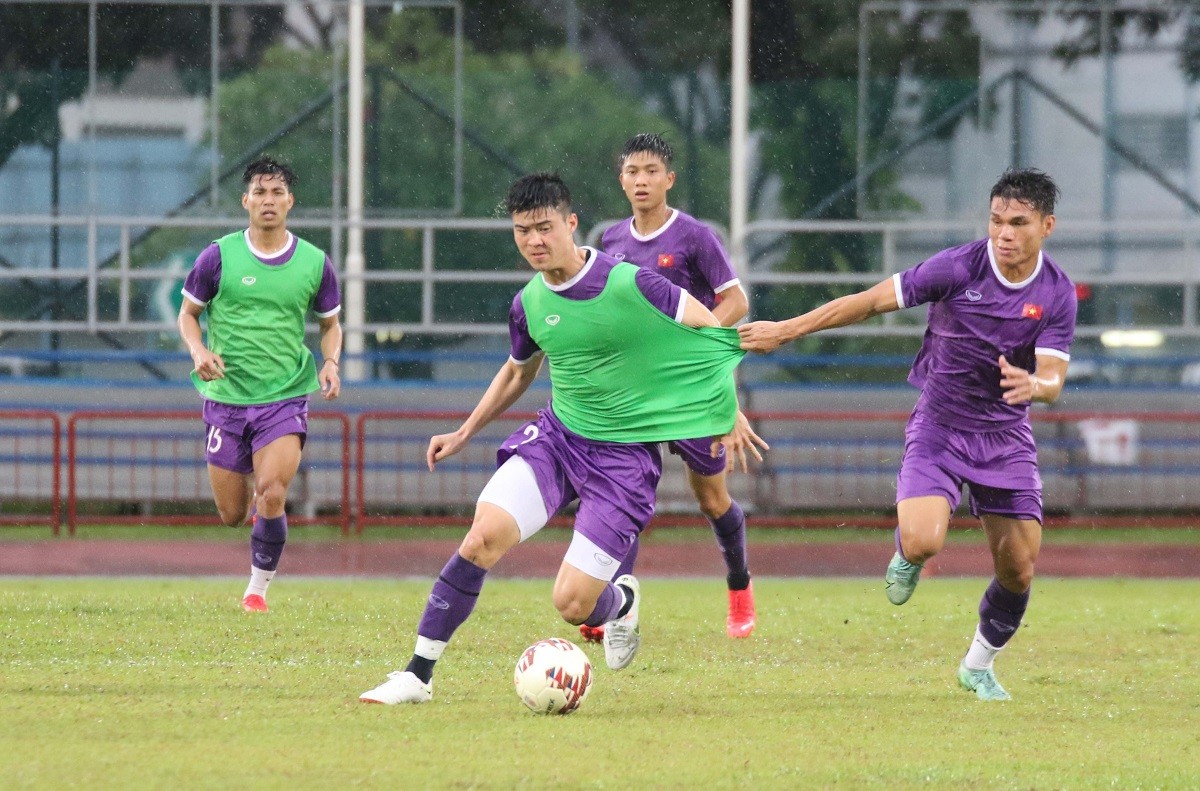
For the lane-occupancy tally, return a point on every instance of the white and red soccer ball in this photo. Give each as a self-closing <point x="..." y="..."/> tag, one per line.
<point x="553" y="677"/>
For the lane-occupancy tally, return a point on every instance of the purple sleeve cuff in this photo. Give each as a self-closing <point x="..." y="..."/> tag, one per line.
<point x="522" y="347"/>
<point x="328" y="300"/>
<point x="201" y="283"/>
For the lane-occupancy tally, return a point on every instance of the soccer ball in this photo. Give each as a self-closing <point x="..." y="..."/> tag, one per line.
<point x="553" y="677"/>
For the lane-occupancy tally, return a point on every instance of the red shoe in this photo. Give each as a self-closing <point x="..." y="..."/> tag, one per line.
<point x="740" y="622"/>
<point x="254" y="603"/>
<point x="591" y="634"/>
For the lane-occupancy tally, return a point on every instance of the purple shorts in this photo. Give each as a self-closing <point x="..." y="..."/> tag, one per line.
<point x="233" y="434"/>
<point x="696" y="455"/>
<point x="614" y="482"/>
<point x="1000" y="467"/>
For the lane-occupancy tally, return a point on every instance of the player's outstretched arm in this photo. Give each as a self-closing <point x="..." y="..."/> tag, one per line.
<point x="732" y="307"/>
<point x="509" y="384"/>
<point x="696" y="315"/>
<point x="767" y="336"/>
<point x="1045" y="384"/>
<point x="737" y="442"/>
<point x="329" y="371"/>
<point x="208" y="366"/>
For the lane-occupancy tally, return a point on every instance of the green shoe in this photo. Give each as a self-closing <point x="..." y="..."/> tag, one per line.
<point x="901" y="579"/>
<point x="982" y="682"/>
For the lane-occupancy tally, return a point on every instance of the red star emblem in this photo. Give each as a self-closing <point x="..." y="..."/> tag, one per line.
<point x="666" y="259"/>
<point x="1031" y="311"/>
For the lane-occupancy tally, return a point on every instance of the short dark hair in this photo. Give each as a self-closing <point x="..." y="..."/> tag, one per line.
<point x="538" y="191"/>
<point x="1028" y="185"/>
<point x="646" y="143"/>
<point x="266" y="166"/>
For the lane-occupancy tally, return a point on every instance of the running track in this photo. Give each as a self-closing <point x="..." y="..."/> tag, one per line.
<point x="366" y="558"/>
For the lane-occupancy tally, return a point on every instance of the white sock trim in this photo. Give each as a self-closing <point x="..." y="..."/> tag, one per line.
<point x="981" y="654"/>
<point x="259" y="580"/>
<point x="429" y="649"/>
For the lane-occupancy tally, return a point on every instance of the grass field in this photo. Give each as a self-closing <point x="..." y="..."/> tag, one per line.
<point x="124" y="683"/>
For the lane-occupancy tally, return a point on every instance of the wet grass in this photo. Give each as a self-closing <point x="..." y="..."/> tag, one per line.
<point x="133" y="683"/>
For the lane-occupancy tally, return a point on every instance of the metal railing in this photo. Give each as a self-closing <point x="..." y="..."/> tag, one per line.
<point x="1160" y="254"/>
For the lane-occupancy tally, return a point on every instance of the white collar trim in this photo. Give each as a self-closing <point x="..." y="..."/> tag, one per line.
<point x="1003" y="280"/>
<point x="587" y="265"/>
<point x="286" y="246"/>
<point x="654" y="234"/>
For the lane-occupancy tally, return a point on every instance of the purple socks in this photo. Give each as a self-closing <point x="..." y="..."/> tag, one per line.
<point x="626" y="566"/>
<point x="608" y="606"/>
<point x="1000" y="612"/>
<point x="452" y="599"/>
<point x="266" y="541"/>
<point x="730" y="530"/>
<point x="899" y="549"/>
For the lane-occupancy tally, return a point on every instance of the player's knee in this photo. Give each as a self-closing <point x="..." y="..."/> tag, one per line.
<point x="920" y="545"/>
<point x="272" y="496"/>
<point x="714" y="505"/>
<point x="231" y="517"/>
<point x="1017" y="578"/>
<point x="482" y="547"/>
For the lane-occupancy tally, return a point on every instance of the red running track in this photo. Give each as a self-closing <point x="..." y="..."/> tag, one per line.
<point x="365" y="558"/>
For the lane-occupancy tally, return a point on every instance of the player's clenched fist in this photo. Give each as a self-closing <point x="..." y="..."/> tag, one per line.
<point x="443" y="446"/>
<point x="764" y="336"/>
<point x="209" y="366"/>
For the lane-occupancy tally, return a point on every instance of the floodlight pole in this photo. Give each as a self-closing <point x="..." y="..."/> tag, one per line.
<point x="739" y="121"/>
<point x="355" y="292"/>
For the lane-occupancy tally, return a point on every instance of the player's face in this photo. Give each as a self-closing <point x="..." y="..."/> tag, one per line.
<point x="546" y="238"/>
<point x="646" y="179"/>
<point x="267" y="200"/>
<point x="1017" y="231"/>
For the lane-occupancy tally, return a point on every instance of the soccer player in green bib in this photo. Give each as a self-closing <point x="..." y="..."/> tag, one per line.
<point x="634" y="361"/>
<point x="255" y="373"/>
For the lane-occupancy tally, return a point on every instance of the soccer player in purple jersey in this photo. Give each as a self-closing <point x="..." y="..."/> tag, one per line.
<point x="1001" y="322"/>
<point x="687" y="252"/>
<point x="255" y="373"/>
<point x="596" y="320"/>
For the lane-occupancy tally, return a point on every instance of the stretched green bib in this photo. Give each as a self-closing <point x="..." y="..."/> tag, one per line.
<point x="622" y="371"/>
<point x="256" y="324"/>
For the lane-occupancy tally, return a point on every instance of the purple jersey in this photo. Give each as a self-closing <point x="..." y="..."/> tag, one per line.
<point x="975" y="315"/>
<point x="590" y="281"/>
<point x="684" y="251"/>
<point x="202" y="282"/>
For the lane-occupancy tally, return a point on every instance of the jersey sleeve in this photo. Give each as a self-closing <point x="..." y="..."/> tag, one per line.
<point x="928" y="281"/>
<point x="1056" y="337"/>
<point x="661" y="293"/>
<point x="202" y="282"/>
<point x="711" y="260"/>
<point x="523" y="348"/>
<point x="328" y="300"/>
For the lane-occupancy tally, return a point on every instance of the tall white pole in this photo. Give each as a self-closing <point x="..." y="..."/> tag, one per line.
<point x="355" y="291"/>
<point x="739" y="116"/>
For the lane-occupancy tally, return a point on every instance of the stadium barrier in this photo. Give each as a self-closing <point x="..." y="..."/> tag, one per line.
<point x="824" y="469"/>
<point x="31" y="464"/>
<point x="155" y="458"/>
<point x="1117" y="468"/>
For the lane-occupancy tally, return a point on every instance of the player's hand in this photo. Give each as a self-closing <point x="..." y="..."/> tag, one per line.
<point x="208" y="366"/>
<point x="1019" y="385"/>
<point x="737" y="442"/>
<point x="331" y="382"/>
<point x="443" y="446"/>
<point x="763" y="336"/>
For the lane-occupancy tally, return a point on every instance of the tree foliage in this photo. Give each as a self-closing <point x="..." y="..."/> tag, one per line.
<point x="44" y="54"/>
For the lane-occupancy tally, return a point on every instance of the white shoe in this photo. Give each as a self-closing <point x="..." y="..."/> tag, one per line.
<point x="623" y="636"/>
<point x="402" y="686"/>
